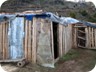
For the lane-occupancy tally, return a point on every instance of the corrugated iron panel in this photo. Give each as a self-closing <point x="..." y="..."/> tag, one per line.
<point x="16" y="34"/>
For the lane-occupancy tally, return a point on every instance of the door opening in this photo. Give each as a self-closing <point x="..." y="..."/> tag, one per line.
<point x="55" y="38"/>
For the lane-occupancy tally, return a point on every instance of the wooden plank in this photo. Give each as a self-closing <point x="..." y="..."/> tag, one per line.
<point x="87" y="37"/>
<point x="75" y="37"/>
<point x="29" y="41"/>
<point x="65" y="39"/>
<point x="26" y="36"/>
<point x="80" y="26"/>
<point x="52" y="41"/>
<point x="95" y="37"/>
<point x="1" y="50"/>
<point x="10" y="60"/>
<point x="81" y="31"/>
<point x="60" y="40"/>
<point x="81" y="38"/>
<point x="92" y="38"/>
<point x="4" y="50"/>
<point x="34" y="42"/>
<point x="6" y="40"/>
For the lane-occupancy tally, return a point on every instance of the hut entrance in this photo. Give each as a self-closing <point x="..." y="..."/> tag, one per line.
<point x="55" y="38"/>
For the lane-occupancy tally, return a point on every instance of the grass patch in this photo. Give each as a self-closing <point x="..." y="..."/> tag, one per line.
<point x="70" y="55"/>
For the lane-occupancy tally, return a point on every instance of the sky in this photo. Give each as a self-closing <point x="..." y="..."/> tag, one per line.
<point x="1" y="1"/>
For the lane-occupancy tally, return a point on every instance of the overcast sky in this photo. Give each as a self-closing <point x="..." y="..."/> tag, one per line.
<point x="94" y="1"/>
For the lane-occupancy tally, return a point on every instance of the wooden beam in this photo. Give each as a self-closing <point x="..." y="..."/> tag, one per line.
<point x="52" y="41"/>
<point x="81" y="31"/>
<point x="34" y="41"/>
<point x="1" y="49"/>
<point x="95" y="38"/>
<point x="81" y="38"/>
<point x="89" y="33"/>
<point x="4" y="50"/>
<point x="60" y="40"/>
<point x="6" y="40"/>
<point x="29" y="41"/>
<point x="87" y="37"/>
<point x="92" y="38"/>
<point x="26" y="37"/>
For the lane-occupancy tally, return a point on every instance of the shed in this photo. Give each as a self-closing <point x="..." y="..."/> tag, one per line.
<point x="84" y="36"/>
<point x="38" y="41"/>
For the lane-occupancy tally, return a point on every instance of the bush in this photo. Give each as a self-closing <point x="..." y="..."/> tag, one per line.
<point x="72" y="14"/>
<point x="83" y="13"/>
<point x="94" y="15"/>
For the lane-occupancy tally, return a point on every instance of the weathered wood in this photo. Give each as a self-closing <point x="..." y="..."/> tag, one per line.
<point x="10" y="60"/>
<point x="26" y="37"/>
<point x="80" y="26"/>
<point x="52" y="41"/>
<point x="1" y="49"/>
<point x="4" y="50"/>
<point x="34" y="42"/>
<point x="87" y="37"/>
<point x="82" y="31"/>
<point x="92" y="38"/>
<point x="75" y="37"/>
<point x="29" y="41"/>
<point x="68" y="37"/>
<point x="81" y="38"/>
<point x="60" y="40"/>
<point x="6" y="40"/>
<point x="95" y="37"/>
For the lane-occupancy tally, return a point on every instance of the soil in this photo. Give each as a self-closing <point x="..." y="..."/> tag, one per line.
<point x="82" y="61"/>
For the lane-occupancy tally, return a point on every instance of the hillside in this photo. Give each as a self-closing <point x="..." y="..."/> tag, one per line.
<point x="82" y="11"/>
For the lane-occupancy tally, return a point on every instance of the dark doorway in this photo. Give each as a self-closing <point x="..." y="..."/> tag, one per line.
<point x="55" y="38"/>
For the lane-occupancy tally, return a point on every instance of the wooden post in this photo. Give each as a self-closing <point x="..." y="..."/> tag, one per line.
<point x="87" y="37"/>
<point x="26" y="37"/>
<point x="34" y="42"/>
<point x="92" y="38"/>
<point x="6" y="40"/>
<point x="95" y="38"/>
<point x="29" y="41"/>
<point x="4" y="50"/>
<point x="75" y="37"/>
<point x="52" y="41"/>
<point x="60" y="40"/>
<point x="1" y="49"/>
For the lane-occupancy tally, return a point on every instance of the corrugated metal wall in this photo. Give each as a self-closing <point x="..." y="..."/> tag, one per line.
<point x="16" y="35"/>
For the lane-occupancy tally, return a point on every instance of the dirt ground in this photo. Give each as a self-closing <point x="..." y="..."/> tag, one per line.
<point x="77" y="60"/>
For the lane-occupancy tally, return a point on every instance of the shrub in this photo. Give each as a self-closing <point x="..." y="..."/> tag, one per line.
<point x="73" y="14"/>
<point x="83" y="13"/>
